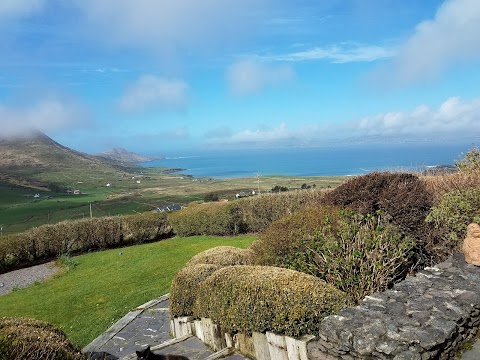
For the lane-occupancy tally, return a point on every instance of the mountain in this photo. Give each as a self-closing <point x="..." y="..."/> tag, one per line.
<point x="36" y="152"/>
<point x="122" y="155"/>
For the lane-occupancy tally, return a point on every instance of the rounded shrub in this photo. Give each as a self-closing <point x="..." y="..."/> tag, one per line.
<point x="185" y="285"/>
<point x="22" y="339"/>
<point x="262" y="298"/>
<point x="224" y="256"/>
<point x="355" y="253"/>
<point x="450" y="218"/>
<point x="207" y="219"/>
<point x="402" y="196"/>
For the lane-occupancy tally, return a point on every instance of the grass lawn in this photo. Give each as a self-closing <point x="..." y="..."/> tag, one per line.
<point x="105" y="285"/>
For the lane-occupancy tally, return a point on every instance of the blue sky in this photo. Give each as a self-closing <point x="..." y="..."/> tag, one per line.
<point x="160" y="77"/>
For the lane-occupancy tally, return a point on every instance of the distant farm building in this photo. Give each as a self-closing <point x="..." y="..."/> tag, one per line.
<point x="245" y="193"/>
<point x="173" y="207"/>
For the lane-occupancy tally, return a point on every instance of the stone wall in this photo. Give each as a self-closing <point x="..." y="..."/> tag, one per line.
<point x="426" y="316"/>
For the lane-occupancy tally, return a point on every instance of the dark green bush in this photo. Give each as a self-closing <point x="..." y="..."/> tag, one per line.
<point x="262" y="298"/>
<point x="70" y="237"/>
<point x="27" y="339"/>
<point x="224" y="256"/>
<point x="355" y="253"/>
<point x="185" y="284"/>
<point x="402" y="196"/>
<point x="207" y="219"/>
<point x="210" y="197"/>
<point x="450" y="218"/>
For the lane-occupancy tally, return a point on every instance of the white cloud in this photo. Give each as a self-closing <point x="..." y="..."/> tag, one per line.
<point x="454" y="117"/>
<point x="451" y="37"/>
<point x="151" y="91"/>
<point x="341" y="53"/>
<point x="250" y="76"/>
<point x="170" y="26"/>
<point x="46" y="115"/>
<point x="13" y="9"/>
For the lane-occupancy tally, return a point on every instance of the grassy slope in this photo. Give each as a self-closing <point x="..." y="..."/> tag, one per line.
<point x="106" y="285"/>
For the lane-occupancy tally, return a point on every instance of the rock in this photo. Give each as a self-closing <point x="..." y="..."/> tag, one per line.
<point x="471" y="245"/>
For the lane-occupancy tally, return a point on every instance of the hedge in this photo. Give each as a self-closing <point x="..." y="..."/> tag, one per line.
<point x="27" y="339"/>
<point x="207" y="219"/>
<point x="258" y="212"/>
<point x="357" y="254"/>
<point x="69" y="237"/>
<point x="261" y="298"/>
<point x="224" y="256"/>
<point x="185" y="284"/>
<point x="252" y="214"/>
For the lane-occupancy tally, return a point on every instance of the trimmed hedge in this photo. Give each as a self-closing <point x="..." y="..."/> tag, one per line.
<point x="262" y="298"/>
<point x="69" y="237"/>
<point x="252" y="214"/>
<point x="207" y="219"/>
<point x="402" y="196"/>
<point x="258" y="212"/>
<point x="27" y="339"/>
<point x="357" y="254"/>
<point x="224" y="256"/>
<point x="450" y="218"/>
<point x="185" y="284"/>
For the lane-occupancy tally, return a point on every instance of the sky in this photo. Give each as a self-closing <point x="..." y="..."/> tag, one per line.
<point x="165" y="77"/>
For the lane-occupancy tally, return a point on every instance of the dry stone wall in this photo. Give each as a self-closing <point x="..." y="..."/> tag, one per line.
<point x="426" y="316"/>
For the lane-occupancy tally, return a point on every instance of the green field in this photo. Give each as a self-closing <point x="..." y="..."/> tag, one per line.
<point x="106" y="285"/>
<point x="20" y="210"/>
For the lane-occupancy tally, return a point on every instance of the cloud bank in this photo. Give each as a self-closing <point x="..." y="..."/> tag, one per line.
<point x="46" y="115"/>
<point x="153" y="92"/>
<point x="250" y="76"/>
<point x="454" y="118"/>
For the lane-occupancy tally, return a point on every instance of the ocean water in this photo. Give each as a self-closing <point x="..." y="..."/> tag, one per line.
<point x="335" y="160"/>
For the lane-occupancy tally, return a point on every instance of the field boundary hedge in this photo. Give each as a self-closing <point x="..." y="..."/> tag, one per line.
<point x="48" y="242"/>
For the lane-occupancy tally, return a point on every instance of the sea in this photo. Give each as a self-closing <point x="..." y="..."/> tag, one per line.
<point x="321" y="161"/>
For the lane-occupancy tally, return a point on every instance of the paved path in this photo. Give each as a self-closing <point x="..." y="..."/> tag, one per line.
<point x="149" y="324"/>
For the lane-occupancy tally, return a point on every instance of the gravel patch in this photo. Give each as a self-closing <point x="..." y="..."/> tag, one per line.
<point x="25" y="277"/>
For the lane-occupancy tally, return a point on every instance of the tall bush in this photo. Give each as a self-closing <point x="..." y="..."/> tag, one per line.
<point x="450" y="218"/>
<point x="357" y="254"/>
<point x="404" y="197"/>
